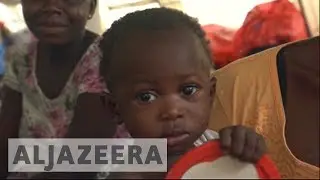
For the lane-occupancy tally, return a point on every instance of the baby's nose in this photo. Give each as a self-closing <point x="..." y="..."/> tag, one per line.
<point x="172" y="108"/>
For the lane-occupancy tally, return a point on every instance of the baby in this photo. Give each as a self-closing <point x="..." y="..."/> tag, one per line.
<point x="157" y="66"/>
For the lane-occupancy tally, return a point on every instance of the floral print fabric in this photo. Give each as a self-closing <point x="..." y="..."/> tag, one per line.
<point x="43" y="117"/>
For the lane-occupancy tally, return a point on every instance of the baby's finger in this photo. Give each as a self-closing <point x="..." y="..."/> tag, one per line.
<point x="250" y="147"/>
<point x="238" y="141"/>
<point x="260" y="150"/>
<point x="225" y="138"/>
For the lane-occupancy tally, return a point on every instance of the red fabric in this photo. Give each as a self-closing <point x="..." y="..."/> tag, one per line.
<point x="220" y="43"/>
<point x="212" y="151"/>
<point x="268" y="24"/>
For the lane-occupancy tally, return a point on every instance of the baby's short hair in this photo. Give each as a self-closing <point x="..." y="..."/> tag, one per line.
<point x="149" y="19"/>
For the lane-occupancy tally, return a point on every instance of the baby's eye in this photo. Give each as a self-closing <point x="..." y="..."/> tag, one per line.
<point x="189" y="90"/>
<point x="146" y="97"/>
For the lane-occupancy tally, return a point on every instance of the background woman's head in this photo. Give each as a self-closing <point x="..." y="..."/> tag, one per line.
<point x="58" y="21"/>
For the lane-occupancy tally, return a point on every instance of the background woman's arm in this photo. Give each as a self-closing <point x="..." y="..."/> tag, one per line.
<point x="10" y="117"/>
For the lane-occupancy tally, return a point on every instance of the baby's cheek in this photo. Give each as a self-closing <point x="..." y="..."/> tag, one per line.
<point x="142" y="125"/>
<point x="199" y="120"/>
<point x="199" y="114"/>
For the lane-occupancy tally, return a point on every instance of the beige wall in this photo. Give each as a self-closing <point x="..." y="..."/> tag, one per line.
<point x="11" y="15"/>
<point x="175" y="4"/>
<point x="95" y="23"/>
<point x="311" y="8"/>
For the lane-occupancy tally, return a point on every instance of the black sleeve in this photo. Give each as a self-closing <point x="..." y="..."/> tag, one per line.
<point x="281" y="66"/>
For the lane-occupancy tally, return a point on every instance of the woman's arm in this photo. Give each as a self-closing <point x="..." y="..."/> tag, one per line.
<point x="92" y="119"/>
<point x="10" y="116"/>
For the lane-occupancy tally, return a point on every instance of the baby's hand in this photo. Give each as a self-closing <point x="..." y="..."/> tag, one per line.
<point x="243" y="143"/>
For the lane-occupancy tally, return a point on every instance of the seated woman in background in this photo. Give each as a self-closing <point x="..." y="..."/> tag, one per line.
<point x="268" y="25"/>
<point x="276" y="92"/>
<point x="52" y="87"/>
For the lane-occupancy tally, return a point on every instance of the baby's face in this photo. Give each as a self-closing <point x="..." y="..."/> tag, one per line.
<point x="164" y="88"/>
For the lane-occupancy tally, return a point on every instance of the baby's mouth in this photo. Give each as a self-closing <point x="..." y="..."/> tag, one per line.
<point x="176" y="138"/>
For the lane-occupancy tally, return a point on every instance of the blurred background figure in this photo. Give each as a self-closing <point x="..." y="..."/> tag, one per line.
<point x="220" y="39"/>
<point x="268" y="25"/>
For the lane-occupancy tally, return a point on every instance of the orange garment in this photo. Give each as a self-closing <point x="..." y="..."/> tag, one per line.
<point x="248" y="93"/>
<point x="272" y="23"/>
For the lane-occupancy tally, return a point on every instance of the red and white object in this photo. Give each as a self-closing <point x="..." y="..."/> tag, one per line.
<point x="209" y="162"/>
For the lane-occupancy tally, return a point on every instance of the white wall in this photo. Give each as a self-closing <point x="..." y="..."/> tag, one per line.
<point x="311" y="8"/>
<point x="228" y="13"/>
<point x="95" y="23"/>
<point x="12" y="17"/>
<point x="109" y="16"/>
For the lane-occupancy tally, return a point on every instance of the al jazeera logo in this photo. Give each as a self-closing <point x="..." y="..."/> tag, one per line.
<point x="87" y="155"/>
